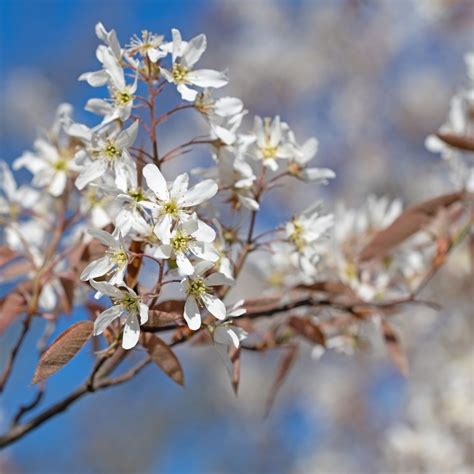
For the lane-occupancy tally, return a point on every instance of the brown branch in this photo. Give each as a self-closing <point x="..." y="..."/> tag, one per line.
<point x="13" y="353"/>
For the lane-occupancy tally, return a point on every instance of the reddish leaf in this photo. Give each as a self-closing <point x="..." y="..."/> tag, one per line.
<point x="412" y="220"/>
<point x="306" y="328"/>
<point x="63" y="349"/>
<point x="170" y="306"/>
<point x="260" y="305"/>
<point x="163" y="357"/>
<point x="67" y="299"/>
<point x="394" y="348"/>
<point x="332" y="287"/>
<point x="134" y="266"/>
<point x="457" y="141"/>
<point x="19" y="268"/>
<point x="235" y="359"/>
<point x="284" y="367"/>
<point x="6" y="254"/>
<point x="157" y="319"/>
<point x="165" y="313"/>
<point x="12" y="306"/>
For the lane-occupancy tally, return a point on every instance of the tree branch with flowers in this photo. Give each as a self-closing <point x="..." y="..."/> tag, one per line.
<point x="151" y="258"/>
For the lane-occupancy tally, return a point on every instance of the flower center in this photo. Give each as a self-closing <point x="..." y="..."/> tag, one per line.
<point x="350" y="271"/>
<point x="130" y="303"/>
<point x="197" y="288"/>
<point x="60" y="165"/>
<point x="111" y="151"/>
<point x="179" y="73"/>
<point x="123" y="97"/>
<point x="180" y="242"/>
<point x="119" y="257"/>
<point x="269" y="152"/>
<point x="136" y="194"/>
<point x="297" y="236"/>
<point x="171" y="208"/>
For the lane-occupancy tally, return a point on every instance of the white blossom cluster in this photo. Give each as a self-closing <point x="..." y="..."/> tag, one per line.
<point x="460" y="123"/>
<point x="117" y="193"/>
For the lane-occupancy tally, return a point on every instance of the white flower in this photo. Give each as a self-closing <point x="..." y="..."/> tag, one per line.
<point x="237" y="176"/>
<point x="174" y="203"/>
<point x="192" y="237"/>
<point x="224" y="116"/>
<point x="105" y="149"/>
<point x="302" y="155"/>
<point x="111" y="47"/>
<point x="113" y="264"/>
<point x="148" y="45"/>
<point x="226" y="335"/>
<point x="111" y="57"/>
<point x="133" y="200"/>
<point x="52" y="162"/>
<point x="121" y="94"/>
<point x="304" y="233"/>
<point x="97" y="206"/>
<point x="224" y="264"/>
<point x="270" y="142"/>
<point x="185" y="55"/>
<point x="460" y="123"/>
<point x="14" y="198"/>
<point x="126" y="303"/>
<point x="198" y="289"/>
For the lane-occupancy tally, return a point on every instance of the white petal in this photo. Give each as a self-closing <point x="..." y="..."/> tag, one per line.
<point x="204" y="251"/>
<point x="215" y="306"/>
<point x="104" y="237"/>
<point x="106" y="289"/>
<point x="193" y="51"/>
<point x="98" y="107"/>
<point x="57" y="185"/>
<point x="176" y="44"/>
<point x="96" y="78"/>
<point x="97" y="268"/>
<point x="218" y="279"/>
<point x="127" y="137"/>
<point x="227" y="106"/>
<point x="105" y="318"/>
<point x="185" y="267"/>
<point x="275" y="131"/>
<point x="143" y="313"/>
<point x="192" y="315"/>
<point x="180" y="186"/>
<point x="156" y="181"/>
<point x="204" y="232"/>
<point x="90" y="173"/>
<point x="131" y="331"/>
<point x="207" y="78"/>
<point x="155" y="54"/>
<point x="163" y="228"/>
<point x="199" y="193"/>
<point x="187" y="93"/>
<point x="317" y="174"/>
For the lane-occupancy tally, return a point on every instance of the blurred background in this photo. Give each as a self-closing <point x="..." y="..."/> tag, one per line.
<point x="370" y="79"/>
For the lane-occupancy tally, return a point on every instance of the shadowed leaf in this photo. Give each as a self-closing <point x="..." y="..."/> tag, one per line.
<point x="456" y="141"/>
<point x="286" y="362"/>
<point x="394" y="348"/>
<point x="306" y="328"/>
<point x="12" y="306"/>
<point x="408" y="223"/>
<point x="163" y="357"/>
<point x="67" y="299"/>
<point x="235" y="359"/>
<point x="133" y="268"/>
<point x="63" y="349"/>
<point x="6" y="254"/>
